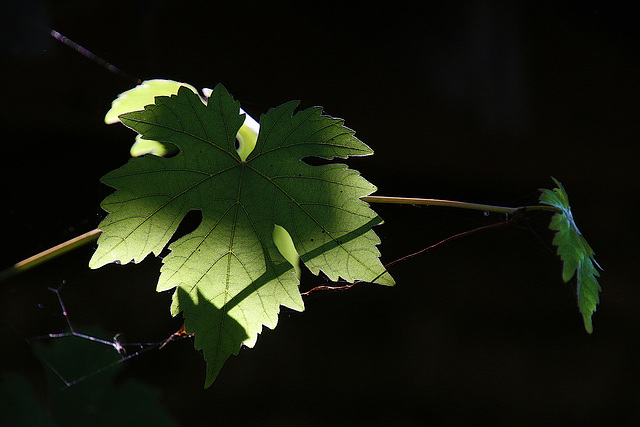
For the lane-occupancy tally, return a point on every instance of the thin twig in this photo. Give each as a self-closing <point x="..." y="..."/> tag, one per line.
<point x="330" y="288"/>
<point x="517" y="216"/>
<point x="95" y="58"/>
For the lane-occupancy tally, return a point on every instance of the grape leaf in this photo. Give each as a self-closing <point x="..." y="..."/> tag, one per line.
<point x="576" y="254"/>
<point x="230" y="275"/>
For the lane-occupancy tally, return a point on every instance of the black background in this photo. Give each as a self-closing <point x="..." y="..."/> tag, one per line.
<point x="479" y="101"/>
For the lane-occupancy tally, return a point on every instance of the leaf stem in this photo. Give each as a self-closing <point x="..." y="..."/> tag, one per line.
<point x="455" y="204"/>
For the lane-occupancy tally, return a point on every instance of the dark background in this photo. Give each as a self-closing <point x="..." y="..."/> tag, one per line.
<point x="478" y="101"/>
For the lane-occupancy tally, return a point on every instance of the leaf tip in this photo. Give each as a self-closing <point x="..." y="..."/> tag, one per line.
<point x="284" y="244"/>
<point x="588" y="323"/>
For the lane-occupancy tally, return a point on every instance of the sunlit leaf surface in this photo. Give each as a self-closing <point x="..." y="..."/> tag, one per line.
<point x="230" y="274"/>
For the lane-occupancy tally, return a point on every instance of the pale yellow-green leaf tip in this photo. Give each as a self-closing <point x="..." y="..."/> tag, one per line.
<point x="247" y="136"/>
<point x="147" y="146"/>
<point x="287" y="249"/>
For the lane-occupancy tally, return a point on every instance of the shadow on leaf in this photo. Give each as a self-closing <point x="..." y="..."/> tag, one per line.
<point x="219" y="335"/>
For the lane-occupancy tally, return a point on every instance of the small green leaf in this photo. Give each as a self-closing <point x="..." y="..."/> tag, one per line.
<point x="576" y="254"/>
<point x="263" y="209"/>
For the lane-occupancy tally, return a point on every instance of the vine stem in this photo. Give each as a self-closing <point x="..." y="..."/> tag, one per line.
<point x="459" y="205"/>
<point x="50" y="253"/>
<point x="92" y="235"/>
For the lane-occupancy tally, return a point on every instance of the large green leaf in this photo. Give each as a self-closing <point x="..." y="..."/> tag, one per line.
<point x="576" y="254"/>
<point x="230" y="274"/>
